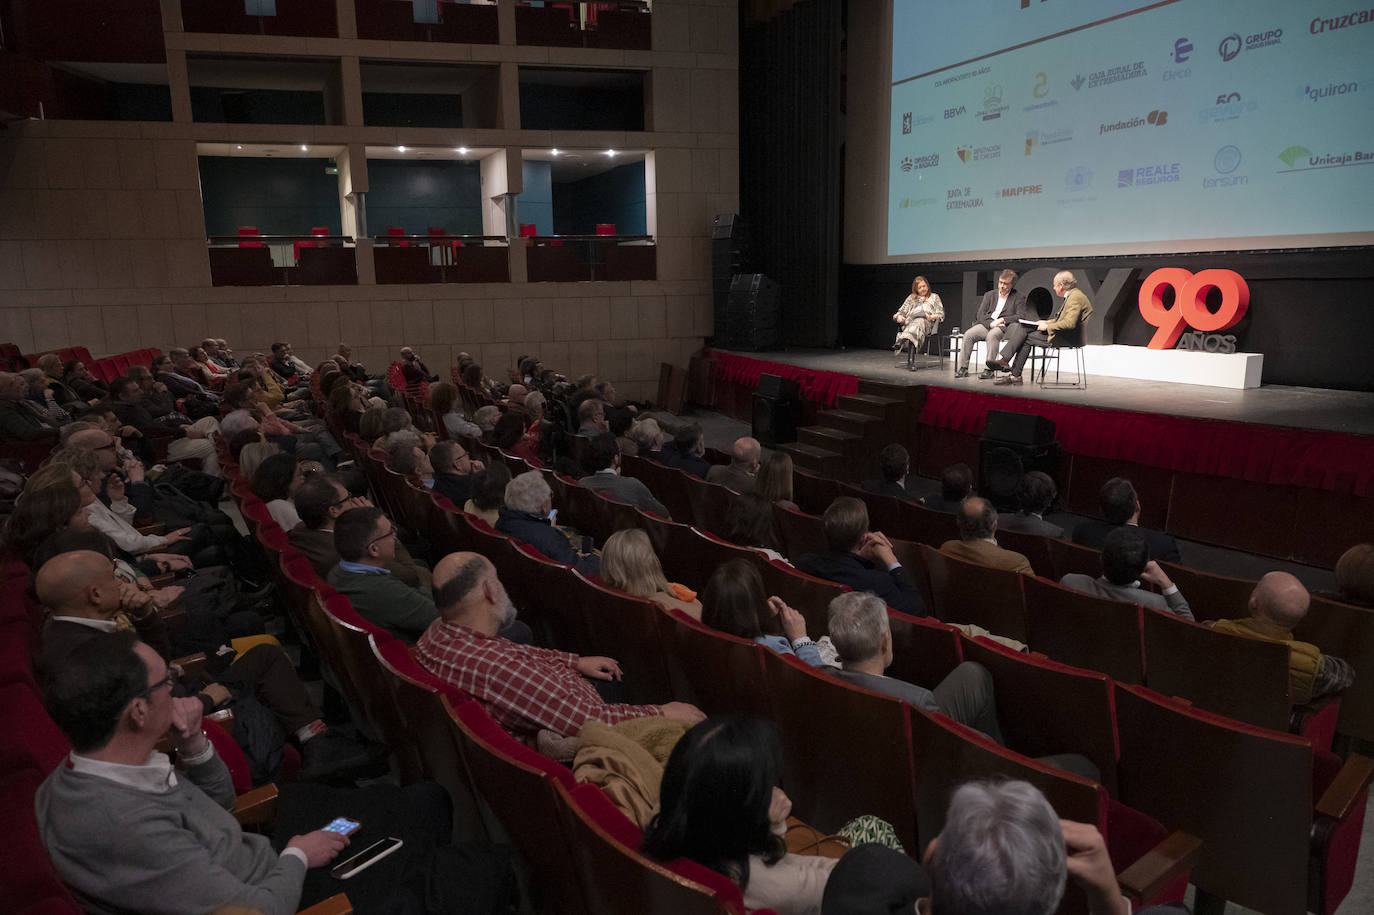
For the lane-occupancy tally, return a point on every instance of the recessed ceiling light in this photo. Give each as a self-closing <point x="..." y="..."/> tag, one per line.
<point x="554" y="151"/>
<point x="610" y="152"/>
<point x="400" y="149"/>
<point x="462" y="150"/>
<point x="240" y="146"/>
<point x="305" y="148"/>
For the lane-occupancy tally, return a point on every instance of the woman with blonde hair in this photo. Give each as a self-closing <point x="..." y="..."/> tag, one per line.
<point x="628" y="564"/>
<point x="921" y="312"/>
<point x="773" y="480"/>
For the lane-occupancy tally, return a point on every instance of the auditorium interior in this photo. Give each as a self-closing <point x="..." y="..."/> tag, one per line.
<point x="704" y="213"/>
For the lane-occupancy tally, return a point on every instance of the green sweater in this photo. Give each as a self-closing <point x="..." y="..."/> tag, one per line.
<point x="176" y="850"/>
<point x="384" y="600"/>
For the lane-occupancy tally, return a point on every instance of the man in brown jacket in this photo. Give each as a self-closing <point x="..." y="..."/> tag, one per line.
<point x="977" y="519"/>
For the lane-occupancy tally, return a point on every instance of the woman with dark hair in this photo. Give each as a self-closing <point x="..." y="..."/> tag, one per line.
<point x="510" y="428"/>
<point x="489" y="493"/>
<point x="443" y="400"/>
<point x="920" y="313"/>
<point x="43" y="511"/>
<point x="773" y="480"/>
<point x="76" y="376"/>
<point x="345" y="406"/>
<point x="749" y="522"/>
<point x="735" y="603"/>
<point x="274" y="482"/>
<point x="720" y="806"/>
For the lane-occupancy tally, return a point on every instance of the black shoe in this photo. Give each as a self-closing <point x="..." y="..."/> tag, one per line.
<point x="985" y="375"/>
<point x="336" y="759"/>
<point x="999" y="365"/>
<point x="961" y="373"/>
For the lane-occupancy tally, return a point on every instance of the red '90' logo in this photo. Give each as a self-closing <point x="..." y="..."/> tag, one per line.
<point x="1190" y="302"/>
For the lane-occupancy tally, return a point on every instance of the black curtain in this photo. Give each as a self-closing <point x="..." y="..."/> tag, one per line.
<point x="791" y="159"/>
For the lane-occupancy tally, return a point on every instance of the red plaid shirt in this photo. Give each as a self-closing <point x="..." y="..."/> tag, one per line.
<point x="523" y="688"/>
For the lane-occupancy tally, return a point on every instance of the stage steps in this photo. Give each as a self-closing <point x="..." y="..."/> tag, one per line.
<point x="819" y="461"/>
<point x="845" y="441"/>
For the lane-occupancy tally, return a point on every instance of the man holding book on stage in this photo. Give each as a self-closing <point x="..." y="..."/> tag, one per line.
<point x="1063" y="328"/>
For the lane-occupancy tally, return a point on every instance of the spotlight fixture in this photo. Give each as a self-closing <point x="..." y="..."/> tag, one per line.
<point x="462" y="150"/>
<point x="554" y="151"/>
<point x="305" y="148"/>
<point x="610" y="152"/>
<point x="400" y="149"/>
<point x="239" y="146"/>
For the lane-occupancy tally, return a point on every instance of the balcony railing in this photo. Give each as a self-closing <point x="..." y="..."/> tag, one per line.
<point x="626" y="24"/>
<point x="578" y="258"/>
<point x="311" y="18"/>
<point x="283" y="260"/>
<point x="444" y="20"/>
<point x="441" y="259"/>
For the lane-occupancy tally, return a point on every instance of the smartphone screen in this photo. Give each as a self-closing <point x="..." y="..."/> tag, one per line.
<point x="365" y="858"/>
<point x="343" y="826"/>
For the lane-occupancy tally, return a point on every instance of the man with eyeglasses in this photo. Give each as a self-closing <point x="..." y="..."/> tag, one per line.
<point x="365" y="540"/>
<point x="319" y="501"/>
<point x="455" y="472"/>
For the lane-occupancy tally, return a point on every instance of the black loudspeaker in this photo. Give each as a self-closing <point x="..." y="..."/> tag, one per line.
<point x="728" y="237"/>
<point x="752" y="315"/>
<point x="1018" y="428"/>
<point x="777" y="407"/>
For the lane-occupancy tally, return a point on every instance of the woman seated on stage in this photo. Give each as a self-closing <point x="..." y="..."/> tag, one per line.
<point x="734" y="602"/>
<point x="720" y="806"/>
<point x="628" y="564"/>
<point x="920" y="313"/>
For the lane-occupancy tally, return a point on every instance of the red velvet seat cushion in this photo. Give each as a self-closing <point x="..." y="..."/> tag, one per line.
<point x="26" y="873"/>
<point x="31" y="739"/>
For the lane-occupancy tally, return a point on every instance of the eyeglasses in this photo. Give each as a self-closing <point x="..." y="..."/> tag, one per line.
<point x="389" y="533"/>
<point x="173" y="672"/>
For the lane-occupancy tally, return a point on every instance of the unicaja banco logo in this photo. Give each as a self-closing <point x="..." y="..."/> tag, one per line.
<point x="1292" y="154"/>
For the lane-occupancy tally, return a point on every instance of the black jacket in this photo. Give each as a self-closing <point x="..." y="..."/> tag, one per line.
<point x="895" y="587"/>
<point x="527" y="527"/>
<point x="1163" y="547"/>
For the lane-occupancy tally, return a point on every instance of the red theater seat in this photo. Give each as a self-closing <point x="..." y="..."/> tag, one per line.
<point x="245" y="232"/>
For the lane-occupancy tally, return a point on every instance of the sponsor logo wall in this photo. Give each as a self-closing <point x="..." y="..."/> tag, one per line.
<point x="1258" y="100"/>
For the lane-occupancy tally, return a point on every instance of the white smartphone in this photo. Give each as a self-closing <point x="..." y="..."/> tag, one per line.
<point x="343" y="826"/>
<point x="365" y="858"/>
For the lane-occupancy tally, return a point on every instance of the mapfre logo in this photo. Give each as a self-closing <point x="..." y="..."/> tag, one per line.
<point x="1189" y="308"/>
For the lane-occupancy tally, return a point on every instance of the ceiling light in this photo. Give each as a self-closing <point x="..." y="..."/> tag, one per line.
<point x="305" y="148"/>
<point x="554" y="151"/>
<point x="610" y="152"/>
<point x="400" y="149"/>
<point x="240" y="146"/>
<point x="462" y="150"/>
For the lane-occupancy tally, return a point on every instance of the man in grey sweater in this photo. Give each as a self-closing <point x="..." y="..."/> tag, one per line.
<point x="1126" y="563"/>
<point x="128" y="833"/>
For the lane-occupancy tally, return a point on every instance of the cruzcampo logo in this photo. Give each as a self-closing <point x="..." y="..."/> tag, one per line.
<point x="1293" y="154"/>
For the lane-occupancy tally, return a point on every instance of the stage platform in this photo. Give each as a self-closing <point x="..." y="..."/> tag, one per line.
<point x="1276" y="405"/>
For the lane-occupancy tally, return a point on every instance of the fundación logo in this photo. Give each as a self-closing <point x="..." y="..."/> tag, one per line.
<point x="979" y="153"/>
<point x="1145" y="175"/>
<point x="930" y="161"/>
<point x="1330" y="90"/>
<point x="1226" y="161"/>
<point x="1157" y="118"/>
<point x="1036" y="138"/>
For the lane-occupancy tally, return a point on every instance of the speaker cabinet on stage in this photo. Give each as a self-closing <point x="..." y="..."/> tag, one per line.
<point x="752" y="317"/>
<point x="1014" y="444"/>
<point x="777" y="408"/>
<point x="728" y="256"/>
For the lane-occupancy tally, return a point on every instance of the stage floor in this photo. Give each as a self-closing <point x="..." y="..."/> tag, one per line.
<point x="1276" y="405"/>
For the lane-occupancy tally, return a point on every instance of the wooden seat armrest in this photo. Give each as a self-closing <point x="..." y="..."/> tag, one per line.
<point x="193" y="665"/>
<point x="150" y="527"/>
<point x="163" y="580"/>
<point x="334" y="905"/>
<point x="1159" y="867"/>
<point x="1339" y="797"/>
<point x="225" y="717"/>
<point x="256" y="807"/>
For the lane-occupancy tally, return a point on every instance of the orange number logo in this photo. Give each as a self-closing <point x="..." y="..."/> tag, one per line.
<point x="1190" y="302"/>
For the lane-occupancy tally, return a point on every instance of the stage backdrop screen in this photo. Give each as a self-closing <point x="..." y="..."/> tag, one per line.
<point x="1124" y="127"/>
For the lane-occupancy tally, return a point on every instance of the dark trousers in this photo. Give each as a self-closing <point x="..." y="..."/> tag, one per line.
<point x="265" y="672"/>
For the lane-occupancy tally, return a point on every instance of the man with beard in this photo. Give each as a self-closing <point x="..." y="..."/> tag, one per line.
<point x="525" y="689"/>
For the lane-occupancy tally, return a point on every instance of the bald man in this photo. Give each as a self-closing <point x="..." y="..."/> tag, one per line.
<point x="527" y="690"/>
<point x="744" y="463"/>
<point x="88" y="601"/>
<point x="1278" y="603"/>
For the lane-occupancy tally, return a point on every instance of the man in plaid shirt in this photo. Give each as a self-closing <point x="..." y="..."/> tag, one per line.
<point x="525" y="689"/>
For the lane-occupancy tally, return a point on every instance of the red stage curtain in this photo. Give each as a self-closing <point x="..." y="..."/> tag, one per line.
<point x="1334" y="461"/>
<point x="825" y="388"/>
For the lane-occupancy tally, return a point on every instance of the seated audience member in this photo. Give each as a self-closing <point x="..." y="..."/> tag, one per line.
<point x="647" y="435"/>
<point x="201" y="357"/>
<point x="1063" y="328"/>
<point x="591" y="417"/>
<point x="455" y="472"/>
<point x="410" y="460"/>
<point x="720" y="806"/>
<point x="47" y="506"/>
<point x="21" y="420"/>
<point x="1035" y="493"/>
<point x="734" y="602"/>
<point x="739" y="473"/>
<point x="319" y="501"/>
<point x="621" y="424"/>
<point x="370" y="424"/>
<point x="1126" y="563"/>
<point x="977" y="520"/>
<point x="396" y="420"/>
<point x="443" y="400"/>
<point x="488" y="494"/>
<point x="526" y="517"/>
<point x="78" y="377"/>
<point x="749" y="522"/>
<point x="166" y="370"/>
<point x="187" y="367"/>
<point x="1121" y="507"/>
<point x="509" y="435"/>
<point x="365" y="540"/>
<point x="195" y="440"/>
<point x="527" y="690"/>
<point x="346" y="407"/>
<point x="893" y="464"/>
<point x="515" y="398"/>
<point x="275" y="482"/>
<point x="861" y="559"/>
<point x="1277" y="605"/>
<point x="286" y="364"/>
<point x="956" y="484"/>
<point x="413" y="370"/>
<point x="861" y="633"/>
<point x="51" y="366"/>
<point x="603" y="460"/>
<point x="87" y="601"/>
<point x="39" y="392"/>
<point x="1004" y="849"/>
<point x="774" y="480"/>
<point x="252" y="453"/>
<point x="689" y="444"/>
<point x="486" y="418"/>
<point x="1355" y="575"/>
<point x="159" y="401"/>
<point x="629" y="564"/>
<point x="355" y="371"/>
